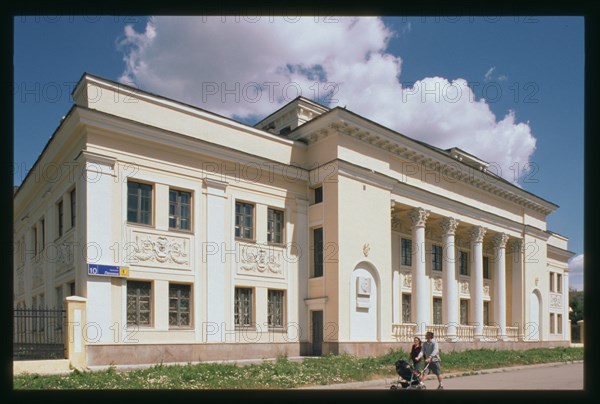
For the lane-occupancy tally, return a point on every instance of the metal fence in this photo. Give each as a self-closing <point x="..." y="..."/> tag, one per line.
<point x="39" y="334"/>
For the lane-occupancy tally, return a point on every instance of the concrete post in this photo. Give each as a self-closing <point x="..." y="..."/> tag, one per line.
<point x="75" y="341"/>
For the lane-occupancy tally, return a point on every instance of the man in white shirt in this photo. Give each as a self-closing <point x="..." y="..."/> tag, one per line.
<point x="431" y="353"/>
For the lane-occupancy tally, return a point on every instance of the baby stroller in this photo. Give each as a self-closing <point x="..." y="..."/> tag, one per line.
<point x="408" y="377"/>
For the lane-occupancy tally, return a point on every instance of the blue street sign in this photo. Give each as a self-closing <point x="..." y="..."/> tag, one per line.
<point x="107" y="270"/>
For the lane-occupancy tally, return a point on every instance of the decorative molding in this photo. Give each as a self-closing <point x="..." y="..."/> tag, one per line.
<point x="261" y="262"/>
<point x="486" y="290"/>
<point x="449" y="225"/>
<point x="366" y="249"/>
<point x="515" y="245"/>
<point x="464" y="287"/>
<point x="161" y="249"/>
<point x="477" y="233"/>
<point x="437" y="284"/>
<point x="363" y="286"/>
<point x="556" y="301"/>
<point x="499" y="240"/>
<point x="38" y="276"/>
<point x="407" y="280"/>
<point x="418" y="216"/>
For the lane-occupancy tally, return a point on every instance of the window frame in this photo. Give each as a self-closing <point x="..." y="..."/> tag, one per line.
<point x="403" y="309"/>
<point x="43" y="233"/>
<point x="552" y="324"/>
<point x="463" y="261"/>
<point x="486" y="267"/>
<point x="552" y="286"/>
<point x="320" y="193"/>
<point x="272" y="233"/>
<point x="139" y="202"/>
<point x="558" y="283"/>
<point x="34" y="229"/>
<point x="60" y="211"/>
<point x="236" y="307"/>
<point x="151" y="304"/>
<point x="242" y="227"/>
<point x="440" y="314"/>
<point x="559" y="323"/>
<point x="318" y="252"/>
<point x="178" y="206"/>
<point x="436" y="252"/>
<point x="486" y="313"/>
<point x="179" y="298"/>
<point x="461" y="320"/>
<point x="406" y="252"/>
<point x="73" y="201"/>
<point x="283" y="309"/>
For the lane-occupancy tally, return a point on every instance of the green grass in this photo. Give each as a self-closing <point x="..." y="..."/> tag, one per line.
<point x="282" y="374"/>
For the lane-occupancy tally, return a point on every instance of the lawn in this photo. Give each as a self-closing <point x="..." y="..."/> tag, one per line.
<point x="284" y="374"/>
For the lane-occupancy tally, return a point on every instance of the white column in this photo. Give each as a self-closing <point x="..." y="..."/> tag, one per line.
<point x="420" y="286"/>
<point x="477" y="234"/>
<point x="565" y="290"/>
<point x="303" y="268"/>
<point x="450" y="292"/>
<point x="517" y="304"/>
<point x="396" y="296"/>
<point x="215" y="237"/>
<point x="499" y="242"/>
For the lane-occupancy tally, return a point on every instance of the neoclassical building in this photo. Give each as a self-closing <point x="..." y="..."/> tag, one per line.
<point x="189" y="236"/>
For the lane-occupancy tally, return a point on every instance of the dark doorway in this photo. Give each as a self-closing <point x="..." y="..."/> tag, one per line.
<point x="317" y="333"/>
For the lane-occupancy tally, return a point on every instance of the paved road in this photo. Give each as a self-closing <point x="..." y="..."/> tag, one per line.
<point x="557" y="377"/>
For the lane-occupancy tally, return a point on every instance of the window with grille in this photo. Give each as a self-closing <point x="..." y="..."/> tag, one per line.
<point x="463" y="263"/>
<point x="244" y="220"/>
<point x="318" y="194"/>
<point x="406" y="309"/>
<point x="139" y="303"/>
<point x="436" y="258"/>
<point x="552" y="328"/>
<point x="179" y="305"/>
<point x="275" y="226"/>
<point x="559" y="323"/>
<point x="559" y="283"/>
<point x="139" y="203"/>
<point x="406" y="247"/>
<point x="243" y="307"/>
<point x="437" y="310"/>
<point x="180" y="210"/>
<point x="464" y="312"/>
<point x="551" y="281"/>
<point x="275" y="310"/>
<point x="318" y="252"/>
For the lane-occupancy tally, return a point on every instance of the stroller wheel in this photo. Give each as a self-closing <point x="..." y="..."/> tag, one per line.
<point x="393" y="387"/>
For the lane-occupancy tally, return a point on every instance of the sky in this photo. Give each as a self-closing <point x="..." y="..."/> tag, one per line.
<point x="506" y="89"/>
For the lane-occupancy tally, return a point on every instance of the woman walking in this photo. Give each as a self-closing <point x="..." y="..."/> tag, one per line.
<point x="415" y="353"/>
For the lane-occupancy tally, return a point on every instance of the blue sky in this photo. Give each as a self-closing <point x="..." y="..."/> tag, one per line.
<point x="532" y="66"/>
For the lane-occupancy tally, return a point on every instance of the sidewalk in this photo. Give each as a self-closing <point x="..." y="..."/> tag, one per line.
<point x="387" y="382"/>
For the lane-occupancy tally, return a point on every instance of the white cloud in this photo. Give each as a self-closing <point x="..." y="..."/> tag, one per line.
<point x="248" y="70"/>
<point x="407" y="27"/>
<point x="488" y="74"/>
<point x="576" y="272"/>
<point x="502" y="78"/>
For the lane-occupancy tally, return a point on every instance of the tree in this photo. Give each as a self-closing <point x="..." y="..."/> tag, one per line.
<point x="576" y="304"/>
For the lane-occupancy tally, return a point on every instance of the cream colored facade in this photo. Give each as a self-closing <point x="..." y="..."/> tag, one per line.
<point x="378" y="187"/>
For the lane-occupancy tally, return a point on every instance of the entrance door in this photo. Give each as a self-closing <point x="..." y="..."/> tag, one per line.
<point x="535" y="324"/>
<point x="317" y="333"/>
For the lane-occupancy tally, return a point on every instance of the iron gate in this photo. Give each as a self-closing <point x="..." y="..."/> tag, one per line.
<point x="39" y="334"/>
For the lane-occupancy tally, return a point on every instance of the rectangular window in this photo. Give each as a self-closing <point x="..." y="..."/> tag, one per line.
<point x="559" y="283"/>
<point x="73" y="208"/>
<point x="275" y="226"/>
<point x="463" y="263"/>
<point x="179" y="305"/>
<point x="139" y="303"/>
<point x="559" y="323"/>
<point x="486" y="268"/>
<point x="486" y="313"/>
<point x="60" y="218"/>
<point x="551" y="281"/>
<point x="244" y="220"/>
<point x="180" y="209"/>
<point x="243" y="307"/>
<point x="437" y="310"/>
<point x="406" y="308"/>
<point x="318" y="252"/>
<point x="72" y="289"/>
<point x="59" y="298"/>
<point x="275" y="309"/>
<point x="22" y="252"/>
<point x="436" y="258"/>
<point x="406" y="247"/>
<point x="552" y="328"/>
<point x="35" y="240"/>
<point x="139" y="203"/>
<point x="43" y="234"/>
<point x="318" y="194"/>
<point x="464" y="312"/>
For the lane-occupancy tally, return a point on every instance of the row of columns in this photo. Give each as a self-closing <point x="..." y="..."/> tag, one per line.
<point x="420" y="285"/>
